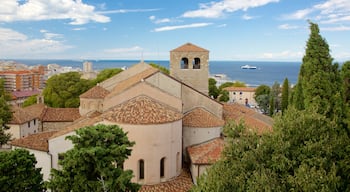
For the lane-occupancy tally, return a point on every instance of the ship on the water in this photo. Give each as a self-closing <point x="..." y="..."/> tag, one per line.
<point x="248" y="67"/>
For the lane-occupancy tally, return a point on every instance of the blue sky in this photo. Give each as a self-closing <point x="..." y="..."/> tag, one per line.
<point x="259" y="30"/>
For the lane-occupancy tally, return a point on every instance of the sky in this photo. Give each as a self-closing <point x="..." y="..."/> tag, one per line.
<point x="240" y="30"/>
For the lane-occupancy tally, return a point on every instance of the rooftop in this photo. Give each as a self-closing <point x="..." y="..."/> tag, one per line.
<point x="60" y="114"/>
<point x="199" y="117"/>
<point x="189" y="47"/>
<point x="251" y="118"/>
<point x="181" y="183"/>
<point x="96" y="92"/>
<point x="142" y="110"/>
<point x="244" y="89"/>
<point x="207" y="152"/>
<point x="37" y="141"/>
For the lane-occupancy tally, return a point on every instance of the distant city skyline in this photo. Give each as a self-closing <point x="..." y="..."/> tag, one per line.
<point x="255" y="30"/>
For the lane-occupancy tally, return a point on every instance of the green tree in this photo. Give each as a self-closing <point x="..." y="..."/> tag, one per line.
<point x="345" y="76"/>
<point x="224" y="96"/>
<point x="96" y="162"/>
<point x="262" y="97"/>
<point x="161" y="68"/>
<point x="285" y="95"/>
<point x="18" y="172"/>
<point x="30" y="101"/>
<point x="5" y="114"/>
<point x="63" y="90"/>
<point x="105" y="74"/>
<point x="303" y="153"/>
<point x="319" y="80"/>
<point x="213" y="89"/>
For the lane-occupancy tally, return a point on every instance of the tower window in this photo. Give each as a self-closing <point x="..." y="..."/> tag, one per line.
<point x="162" y="167"/>
<point x="196" y="63"/>
<point x="184" y="63"/>
<point x="141" y="169"/>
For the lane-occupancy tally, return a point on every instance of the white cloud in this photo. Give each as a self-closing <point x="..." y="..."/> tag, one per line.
<point x="328" y="12"/>
<point x="247" y="17"/>
<point x="175" y="27"/>
<point x="284" y="55"/>
<point x="217" y="9"/>
<point x="339" y="28"/>
<point x="36" y="10"/>
<point x="14" y="44"/>
<point x="79" y="29"/>
<point x="287" y="26"/>
<point x="155" y="20"/>
<point x="127" y="11"/>
<point x="49" y="35"/>
<point x="300" y="14"/>
<point x="124" y="50"/>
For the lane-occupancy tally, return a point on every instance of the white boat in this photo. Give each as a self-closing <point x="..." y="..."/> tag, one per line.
<point x="248" y="67"/>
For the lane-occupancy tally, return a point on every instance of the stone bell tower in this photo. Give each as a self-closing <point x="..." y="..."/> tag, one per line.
<point x="190" y="64"/>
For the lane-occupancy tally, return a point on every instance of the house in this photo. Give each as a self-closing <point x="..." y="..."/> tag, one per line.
<point x="22" y="124"/>
<point x="164" y="114"/>
<point x="242" y="95"/>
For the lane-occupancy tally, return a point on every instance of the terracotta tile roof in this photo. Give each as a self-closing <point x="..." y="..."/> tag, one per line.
<point x="96" y="92"/>
<point x="20" y="116"/>
<point x="36" y="109"/>
<point x="181" y="183"/>
<point x="79" y="123"/>
<point x="244" y="89"/>
<point x="189" y="47"/>
<point x="199" y="117"/>
<point x="142" y="110"/>
<point x="37" y="141"/>
<point x="206" y="153"/>
<point x="60" y="114"/>
<point x="123" y="85"/>
<point x="252" y="119"/>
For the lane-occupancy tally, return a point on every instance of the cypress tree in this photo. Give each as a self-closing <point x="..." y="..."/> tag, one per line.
<point x="319" y="79"/>
<point x="285" y="94"/>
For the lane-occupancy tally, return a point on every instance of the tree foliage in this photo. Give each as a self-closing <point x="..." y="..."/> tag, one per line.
<point x="5" y="114"/>
<point x="63" y="90"/>
<point x="213" y="89"/>
<point x="18" y="172"/>
<point x="302" y="154"/>
<point x="262" y="98"/>
<point x="30" y="101"/>
<point x="106" y="74"/>
<point x="319" y="80"/>
<point x="285" y="95"/>
<point x="96" y="162"/>
<point x="161" y="68"/>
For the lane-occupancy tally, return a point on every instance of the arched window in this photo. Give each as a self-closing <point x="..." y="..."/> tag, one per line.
<point x="184" y="63"/>
<point x="196" y="63"/>
<point x="162" y="167"/>
<point x="141" y="169"/>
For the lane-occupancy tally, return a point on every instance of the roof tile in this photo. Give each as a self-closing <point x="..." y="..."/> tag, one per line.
<point x="37" y="141"/>
<point x="181" y="183"/>
<point x="206" y="153"/>
<point x="96" y="92"/>
<point x="189" y="47"/>
<point x="20" y="116"/>
<point x="142" y="110"/>
<point x="199" y="117"/>
<point x="252" y="119"/>
<point x="60" y="114"/>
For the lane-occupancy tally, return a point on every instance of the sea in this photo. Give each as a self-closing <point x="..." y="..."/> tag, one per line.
<point x="266" y="73"/>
